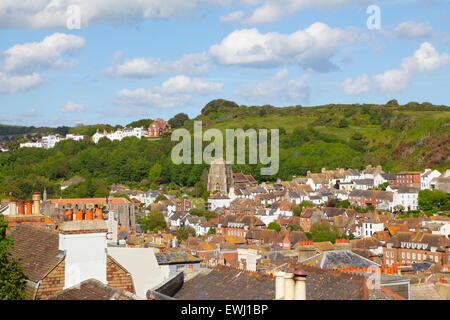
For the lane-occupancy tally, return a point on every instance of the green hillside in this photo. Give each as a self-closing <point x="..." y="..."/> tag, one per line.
<point x="408" y="137"/>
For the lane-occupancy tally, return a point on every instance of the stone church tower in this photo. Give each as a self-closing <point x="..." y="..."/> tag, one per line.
<point x="220" y="176"/>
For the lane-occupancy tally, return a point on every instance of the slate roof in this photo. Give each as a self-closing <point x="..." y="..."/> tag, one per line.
<point x="93" y="289"/>
<point x="38" y="250"/>
<point x="165" y="258"/>
<point x="224" y="283"/>
<point x="339" y="259"/>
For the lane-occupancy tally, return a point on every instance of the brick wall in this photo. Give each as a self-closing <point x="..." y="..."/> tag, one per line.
<point x="52" y="283"/>
<point x="117" y="276"/>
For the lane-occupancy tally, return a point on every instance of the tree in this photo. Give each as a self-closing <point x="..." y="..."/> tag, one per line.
<point x="178" y="120"/>
<point x="212" y="230"/>
<point x="392" y="103"/>
<point x="306" y="203"/>
<point x="154" y="221"/>
<point x="323" y="231"/>
<point x="12" y="276"/>
<point x="399" y="208"/>
<point x="155" y="172"/>
<point x="294" y="227"/>
<point x="383" y="186"/>
<point x="297" y="211"/>
<point x="274" y="226"/>
<point x="184" y="232"/>
<point x="433" y="200"/>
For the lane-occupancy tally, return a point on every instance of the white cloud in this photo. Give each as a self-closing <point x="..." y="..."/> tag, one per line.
<point x="11" y="84"/>
<point x="231" y="17"/>
<point x="70" y="107"/>
<point x="23" y="58"/>
<point x="277" y="88"/>
<point x="193" y="64"/>
<point x="274" y="10"/>
<point x="174" y="92"/>
<point x="356" y="87"/>
<point x="413" y="30"/>
<point x="36" y="14"/>
<point x="311" y="48"/>
<point x="425" y="60"/>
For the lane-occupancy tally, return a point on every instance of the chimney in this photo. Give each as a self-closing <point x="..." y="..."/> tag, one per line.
<point x="12" y="207"/>
<point x="37" y="202"/>
<point x="300" y="284"/>
<point x="98" y="214"/>
<point x="68" y="215"/>
<point x="279" y="285"/>
<point x="80" y="215"/>
<point x="21" y="207"/>
<point x="29" y="207"/>
<point x="89" y="214"/>
<point x="289" y="286"/>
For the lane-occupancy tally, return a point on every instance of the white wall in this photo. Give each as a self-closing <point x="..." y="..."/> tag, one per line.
<point x="141" y="263"/>
<point x="85" y="257"/>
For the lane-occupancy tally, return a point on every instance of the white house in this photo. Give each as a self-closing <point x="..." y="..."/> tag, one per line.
<point x="31" y="145"/>
<point x="408" y="197"/>
<point x="218" y="200"/>
<point x="76" y="137"/>
<point x="50" y="141"/>
<point x="426" y="177"/>
<point x="120" y="134"/>
<point x="370" y="227"/>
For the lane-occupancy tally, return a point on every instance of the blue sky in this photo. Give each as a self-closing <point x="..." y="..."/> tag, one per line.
<point x="155" y="58"/>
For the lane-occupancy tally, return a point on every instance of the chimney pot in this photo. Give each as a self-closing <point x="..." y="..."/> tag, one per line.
<point x="289" y="286"/>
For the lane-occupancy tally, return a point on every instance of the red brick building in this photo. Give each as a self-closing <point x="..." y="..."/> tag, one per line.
<point x="417" y="247"/>
<point x="158" y="127"/>
<point x="408" y="178"/>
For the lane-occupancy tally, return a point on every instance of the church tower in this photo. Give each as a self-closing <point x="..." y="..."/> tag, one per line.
<point x="220" y="176"/>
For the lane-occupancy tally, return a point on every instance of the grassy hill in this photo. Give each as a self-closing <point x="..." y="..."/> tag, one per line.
<point x="407" y="137"/>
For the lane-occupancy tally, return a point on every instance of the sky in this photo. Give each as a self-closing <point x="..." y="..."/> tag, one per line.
<point x="65" y="62"/>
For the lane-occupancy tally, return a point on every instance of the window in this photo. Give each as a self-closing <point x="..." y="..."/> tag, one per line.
<point x="413" y="255"/>
<point x="419" y="256"/>
<point x="403" y="255"/>
<point x="392" y="254"/>
<point x="436" y="258"/>
<point x="408" y="255"/>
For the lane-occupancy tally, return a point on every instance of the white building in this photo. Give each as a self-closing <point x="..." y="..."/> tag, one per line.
<point x="50" y="141"/>
<point x="218" y="200"/>
<point x="408" y="197"/>
<point x="120" y="134"/>
<point x="31" y="145"/>
<point x="426" y="177"/>
<point x="370" y="227"/>
<point x="76" y="137"/>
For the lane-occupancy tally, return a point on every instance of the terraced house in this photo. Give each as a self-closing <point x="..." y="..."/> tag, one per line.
<point x="416" y="247"/>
